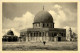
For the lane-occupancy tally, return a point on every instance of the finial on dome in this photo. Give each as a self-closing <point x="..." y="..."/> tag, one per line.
<point x="43" y="7"/>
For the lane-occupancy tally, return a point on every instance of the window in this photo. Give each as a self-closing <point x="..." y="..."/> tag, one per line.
<point x="43" y="24"/>
<point x="61" y="34"/>
<point x="64" y="34"/>
<point x="40" y="34"/>
<point x="31" y="34"/>
<point x="53" y="25"/>
<point x="52" y="34"/>
<point x="55" y="34"/>
<point x="34" y="34"/>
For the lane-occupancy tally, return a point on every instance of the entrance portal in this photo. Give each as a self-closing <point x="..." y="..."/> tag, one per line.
<point x="59" y="38"/>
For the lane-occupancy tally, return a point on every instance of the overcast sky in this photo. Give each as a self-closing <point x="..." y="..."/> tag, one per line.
<point x="17" y="16"/>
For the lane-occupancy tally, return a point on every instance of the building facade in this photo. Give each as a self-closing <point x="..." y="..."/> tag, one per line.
<point x="43" y="30"/>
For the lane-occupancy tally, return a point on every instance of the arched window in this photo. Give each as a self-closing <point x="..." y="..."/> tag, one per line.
<point x="40" y="34"/>
<point x="52" y="34"/>
<point x="43" y="34"/>
<point x="55" y="34"/>
<point x="43" y="24"/>
<point x="34" y="34"/>
<point x="31" y="34"/>
<point x="62" y="34"/>
<point x="53" y="25"/>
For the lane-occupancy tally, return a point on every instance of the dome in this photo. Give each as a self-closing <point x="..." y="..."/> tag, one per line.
<point x="43" y="16"/>
<point x="10" y="32"/>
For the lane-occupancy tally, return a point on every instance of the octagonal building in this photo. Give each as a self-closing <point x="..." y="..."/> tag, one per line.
<point x="43" y="29"/>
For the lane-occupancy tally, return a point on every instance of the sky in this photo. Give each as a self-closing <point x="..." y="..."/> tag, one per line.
<point x="18" y="16"/>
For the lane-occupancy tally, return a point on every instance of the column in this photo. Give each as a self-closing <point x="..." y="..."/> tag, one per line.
<point x="35" y="36"/>
<point x="29" y="37"/>
<point x="42" y="36"/>
<point x="32" y="36"/>
<point x="51" y="25"/>
<point x="38" y="36"/>
<point x="41" y="25"/>
<point x="51" y="37"/>
<point x="26" y="37"/>
<point x="47" y="37"/>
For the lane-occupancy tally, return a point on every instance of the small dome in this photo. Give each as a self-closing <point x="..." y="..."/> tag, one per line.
<point x="43" y="16"/>
<point x="10" y="32"/>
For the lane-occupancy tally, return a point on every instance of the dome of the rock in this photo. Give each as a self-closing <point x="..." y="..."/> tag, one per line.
<point x="43" y="16"/>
